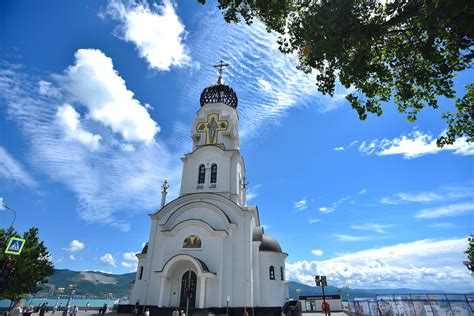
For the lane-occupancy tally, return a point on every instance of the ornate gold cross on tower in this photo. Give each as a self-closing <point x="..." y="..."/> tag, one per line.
<point x="211" y="127"/>
<point x="220" y="65"/>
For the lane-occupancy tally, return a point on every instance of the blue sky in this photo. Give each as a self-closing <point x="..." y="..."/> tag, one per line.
<point x="96" y="104"/>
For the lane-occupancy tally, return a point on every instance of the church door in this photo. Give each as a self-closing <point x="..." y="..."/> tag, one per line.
<point x="188" y="289"/>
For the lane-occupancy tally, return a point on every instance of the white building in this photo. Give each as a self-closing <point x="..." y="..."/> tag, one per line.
<point x="209" y="231"/>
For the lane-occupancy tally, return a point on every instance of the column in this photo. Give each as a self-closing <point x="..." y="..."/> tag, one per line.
<point x="202" y="291"/>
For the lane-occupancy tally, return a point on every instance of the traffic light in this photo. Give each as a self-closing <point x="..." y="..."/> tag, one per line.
<point x="6" y="270"/>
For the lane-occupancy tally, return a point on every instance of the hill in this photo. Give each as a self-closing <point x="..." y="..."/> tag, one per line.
<point x="99" y="285"/>
<point x="92" y="283"/>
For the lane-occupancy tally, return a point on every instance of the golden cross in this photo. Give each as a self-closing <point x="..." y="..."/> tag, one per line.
<point x="220" y="66"/>
<point x="212" y="127"/>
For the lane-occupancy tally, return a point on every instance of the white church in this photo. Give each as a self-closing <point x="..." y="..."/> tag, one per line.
<point x="207" y="249"/>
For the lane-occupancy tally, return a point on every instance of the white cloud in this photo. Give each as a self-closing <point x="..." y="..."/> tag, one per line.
<point x="130" y="256"/>
<point x="314" y="220"/>
<point x="265" y="85"/>
<point x="343" y="237"/>
<point x="442" y="225"/>
<point x="378" y="228"/>
<point x="252" y="193"/>
<point x="317" y="252"/>
<point x="413" y="145"/>
<point x="130" y="260"/>
<point x="127" y="265"/>
<point x="424" y="264"/>
<point x="2" y="204"/>
<point x="128" y="177"/>
<point x="13" y="171"/>
<point x="301" y="205"/>
<point x="325" y="209"/>
<point x="447" y="210"/>
<point x="156" y="31"/>
<point x="71" y="257"/>
<point x="107" y="260"/>
<point x="256" y="56"/>
<point x="46" y="88"/>
<point x="69" y="120"/>
<point x="401" y="197"/>
<point x="75" y="246"/>
<point x="334" y="205"/>
<point x="93" y="82"/>
<point x="340" y="148"/>
<point x="363" y="191"/>
<point x="353" y="143"/>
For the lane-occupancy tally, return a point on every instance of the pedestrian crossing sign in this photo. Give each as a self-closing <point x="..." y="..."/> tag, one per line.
<point x="15" y="246"/>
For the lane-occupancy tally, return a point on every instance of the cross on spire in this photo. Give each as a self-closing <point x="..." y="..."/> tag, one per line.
<point x="220" y="66"/>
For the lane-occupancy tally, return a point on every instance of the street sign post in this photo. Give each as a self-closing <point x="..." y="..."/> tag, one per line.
<point x="15" y="246"/>
<point x="321" y="281"/>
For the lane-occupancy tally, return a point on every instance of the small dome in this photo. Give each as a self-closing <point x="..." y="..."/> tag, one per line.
<point x="269" y="244"/>
<point x="219" y="93"/>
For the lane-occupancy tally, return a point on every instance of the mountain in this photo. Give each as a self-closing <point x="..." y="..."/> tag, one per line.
<point x="91" y="283"/>
<point x="99" y="285"/>
<point x="313" y="290"/>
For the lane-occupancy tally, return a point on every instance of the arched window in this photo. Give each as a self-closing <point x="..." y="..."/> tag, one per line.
<point x="202" y="174"/>
<point x="214" y="173"/>
<point x="281" y="273"/>
<point x="192" y="241"/>
<point x="140" y="275"/>
<point x="272" y="273"/>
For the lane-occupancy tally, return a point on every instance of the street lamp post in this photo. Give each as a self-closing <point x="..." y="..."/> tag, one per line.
<point x="3" y="206"/>
<point x="71" y="293"/>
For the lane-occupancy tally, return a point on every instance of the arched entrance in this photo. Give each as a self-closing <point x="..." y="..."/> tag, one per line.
<point x="188" y="289"/>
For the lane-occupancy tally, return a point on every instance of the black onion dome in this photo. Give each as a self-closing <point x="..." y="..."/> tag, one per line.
<point x="269" y="244"/>
<point x="219" y="93"/>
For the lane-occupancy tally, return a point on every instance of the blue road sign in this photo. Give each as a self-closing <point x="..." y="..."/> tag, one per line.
<point x="15" y="246"/>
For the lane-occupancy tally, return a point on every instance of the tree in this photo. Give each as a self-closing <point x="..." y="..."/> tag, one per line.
<point x="31" y="267"/>
<point x="470" y="254"/>
<point x="408" y="51"/>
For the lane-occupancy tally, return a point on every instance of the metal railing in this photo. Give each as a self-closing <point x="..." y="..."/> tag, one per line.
<point x="414" y="305"/>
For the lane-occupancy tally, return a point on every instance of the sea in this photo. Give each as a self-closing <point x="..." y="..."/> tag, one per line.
<point x="80" y="302"/>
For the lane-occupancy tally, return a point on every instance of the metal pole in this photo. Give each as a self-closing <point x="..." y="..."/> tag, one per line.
<point x="188" y="287"/>
<point x="14" y="214"/>
<point x="324" y="297"/>
<point x="227" y="309"/>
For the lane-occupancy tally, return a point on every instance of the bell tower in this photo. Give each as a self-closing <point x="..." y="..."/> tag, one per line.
<point x="215" y="164"/>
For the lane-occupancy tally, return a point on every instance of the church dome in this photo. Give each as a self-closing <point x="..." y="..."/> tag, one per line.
<point x="219" y="93"/>
<point x="269" y="244"/>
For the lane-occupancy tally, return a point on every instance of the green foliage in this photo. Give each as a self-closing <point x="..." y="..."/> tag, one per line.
<point x="31" y="267"/>
<point x="470" y="252"/>
<point x="407" y="51"/>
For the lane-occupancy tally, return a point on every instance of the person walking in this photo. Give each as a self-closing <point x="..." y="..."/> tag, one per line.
<point x="147" y="312"/>
<point x="17" y="309"/>
<point x="29" y="311"/>
<point x="325" y="308"/>
<point x="182" y="313"/>
<point x="87" y="306"/>
<point x="75" y="310"/>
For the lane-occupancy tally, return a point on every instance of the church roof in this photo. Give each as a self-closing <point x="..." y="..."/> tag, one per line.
<point x="270" y="244"/>
<point x="145" y="248"/>
<point x="257" y="234"/>
<point x="219" y="93"/>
